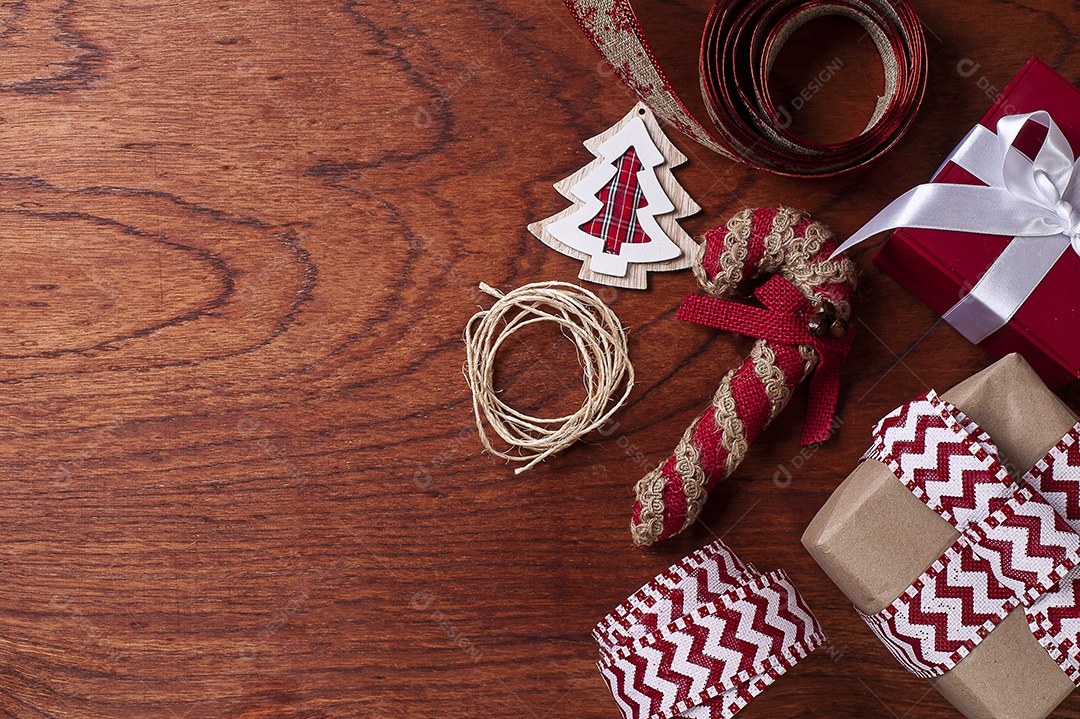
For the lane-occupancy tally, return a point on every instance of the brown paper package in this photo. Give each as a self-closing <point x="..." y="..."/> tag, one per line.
<point x="874" y="538"/>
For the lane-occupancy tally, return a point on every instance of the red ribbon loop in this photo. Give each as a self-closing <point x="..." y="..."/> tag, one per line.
<point x="783" y="319"/>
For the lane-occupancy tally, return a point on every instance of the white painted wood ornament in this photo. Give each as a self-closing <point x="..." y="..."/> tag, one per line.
<point x="627" y="203"/>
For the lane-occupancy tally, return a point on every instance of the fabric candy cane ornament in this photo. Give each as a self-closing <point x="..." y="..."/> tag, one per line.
<point x="803" y="329"/>
<point x="1019" y="543"/>
<point x="703" y="638"/>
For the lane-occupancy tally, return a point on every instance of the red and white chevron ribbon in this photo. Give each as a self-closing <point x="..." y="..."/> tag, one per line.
<point x="703" y="638"/>
<point x="1019" y="541"/>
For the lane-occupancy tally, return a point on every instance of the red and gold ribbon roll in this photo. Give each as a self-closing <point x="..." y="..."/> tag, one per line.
<point x="740" y="44"/>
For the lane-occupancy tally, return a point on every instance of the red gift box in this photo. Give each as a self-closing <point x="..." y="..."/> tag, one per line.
<point x="940" y="267"/>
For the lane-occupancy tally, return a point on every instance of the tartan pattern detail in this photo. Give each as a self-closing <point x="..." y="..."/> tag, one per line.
<point x="617" y="221"/>
<point x="703" y="638"/>
<point x="1019" y="544"/>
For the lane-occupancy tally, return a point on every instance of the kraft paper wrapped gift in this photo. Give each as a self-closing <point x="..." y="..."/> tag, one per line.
<point x="874" y="538"/>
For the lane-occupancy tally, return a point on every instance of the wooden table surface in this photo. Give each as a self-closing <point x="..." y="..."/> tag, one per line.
<point x="240" y="476"/>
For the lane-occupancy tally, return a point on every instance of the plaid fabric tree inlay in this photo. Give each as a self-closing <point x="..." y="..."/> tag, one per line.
<point x="617" y="221"/>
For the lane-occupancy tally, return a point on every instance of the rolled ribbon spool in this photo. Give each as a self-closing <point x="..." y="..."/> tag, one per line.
<point x="703" y="638"/>
<point x="740" y="44"/>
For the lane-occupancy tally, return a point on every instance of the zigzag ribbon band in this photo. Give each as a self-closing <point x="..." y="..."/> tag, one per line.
<point x="703" y="638"/>
<point x="986" y="574"/>
<point x="1019" y="543"/>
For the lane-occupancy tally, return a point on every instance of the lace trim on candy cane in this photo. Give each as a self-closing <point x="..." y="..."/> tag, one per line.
<point x="703" y="638"/>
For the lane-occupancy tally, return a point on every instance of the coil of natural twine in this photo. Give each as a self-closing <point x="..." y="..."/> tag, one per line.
<point x="600" y="341"/>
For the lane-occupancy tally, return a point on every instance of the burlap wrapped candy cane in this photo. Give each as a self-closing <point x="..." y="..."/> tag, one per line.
<point x="803" y="329"/>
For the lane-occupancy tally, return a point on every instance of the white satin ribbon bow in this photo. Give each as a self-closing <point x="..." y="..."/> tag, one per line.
<point x="1036" y="201"/>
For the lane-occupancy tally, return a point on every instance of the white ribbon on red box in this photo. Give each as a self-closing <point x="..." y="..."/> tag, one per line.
<point x="703" y="638"/>
<point x="1037" y="201"/>
<point x="1019" y="544"/>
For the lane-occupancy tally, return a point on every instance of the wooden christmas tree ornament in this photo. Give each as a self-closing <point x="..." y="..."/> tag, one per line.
<point x="627" y="203"/>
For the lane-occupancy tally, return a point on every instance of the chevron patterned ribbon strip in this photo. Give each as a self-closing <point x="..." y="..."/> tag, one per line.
<point x="1019" y="543"/>
<point x="1054" y="617"/>
<point x="703" y="638"/>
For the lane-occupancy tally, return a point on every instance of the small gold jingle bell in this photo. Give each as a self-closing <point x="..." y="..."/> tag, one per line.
<point x="825" y="322"/>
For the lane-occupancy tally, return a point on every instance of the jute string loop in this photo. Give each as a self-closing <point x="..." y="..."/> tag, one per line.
<point x="600" y="341"/>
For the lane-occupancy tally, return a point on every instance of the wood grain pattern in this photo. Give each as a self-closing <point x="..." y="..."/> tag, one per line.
<point x="239" y="472"/>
